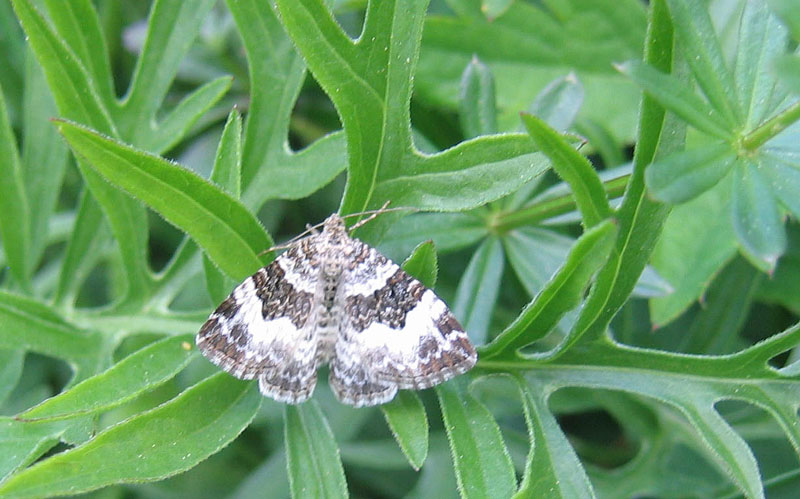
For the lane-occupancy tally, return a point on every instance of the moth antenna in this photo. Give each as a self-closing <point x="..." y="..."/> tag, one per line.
<point x="310" y="229"/>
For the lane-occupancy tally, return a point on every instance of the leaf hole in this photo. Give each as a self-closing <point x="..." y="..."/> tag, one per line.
<point x="42" y="377"/>
<point x="591" y="419"/>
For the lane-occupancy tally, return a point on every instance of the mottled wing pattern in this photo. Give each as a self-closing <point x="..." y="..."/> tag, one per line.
<point x="264" y="329"/>
<point x="395" y="333"/>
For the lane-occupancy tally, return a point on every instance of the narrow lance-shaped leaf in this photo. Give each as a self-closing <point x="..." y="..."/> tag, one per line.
<point x="477" y="111"/>
<point x="79" y="26"/>
<point x="405" y="414"/>
<point x="562" y="293"/>
<point x="703" y="53"/>
<point x="678" y="97"/>
<point x="141" y="371"/>
<point x="685" y="175"/>
<point x="559" y="102"/>
<point x="15" y="219"/>
<point x="552" y="467"/>
<point x="757" y="217"/>
<point x="483" y="466"/>
<point x="44" y="155"/>
<point x="171" y="28"/>
<point x="153" y="445"/>
<point x="574" y="168"/>
<point x="34" y="326"/>
<point x="313" y="462"/>
<point x="478" y="289"/>
<point x="229" y="234"/>
<point x="640" y="218"/>
<point x="227" y="173"/>
<point x="480" y="170"/>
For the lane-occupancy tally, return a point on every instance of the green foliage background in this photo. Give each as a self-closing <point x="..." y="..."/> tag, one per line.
<point x="635" y="298"/>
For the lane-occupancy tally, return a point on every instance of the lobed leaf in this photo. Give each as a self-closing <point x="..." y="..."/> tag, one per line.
<point x="150" y="446"/>
<point x="269" y="169"/>
<point x="313" y="462"/>
<point x="640" y="219"/>
<point x="230" y="235"/>
<point x="141" y="371"/>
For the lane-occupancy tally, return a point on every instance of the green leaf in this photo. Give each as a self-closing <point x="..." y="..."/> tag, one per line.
<point x="171" y="28"/>
<point x="679" y="98"/>
<point x="784" y="179"/>
<point x="761" y="39"/>
<point x="22" y="443"/>
<point x="10" y="371"/>
<point x="79" y="26"/>
<point x="640" y="219"/>
<point x="422" y="264"/>
<point x="67" y="78"/>
<point x="478" y="289"/>
<point x="139" y="372"/>
<point x="561" y="294"/>
<point x="269" y="169"/>
<point x="535" y="255"/>
<point x="44" y="155"/>
<point x="697" y="241"/>
<point x="179" y="121"/>
<point x="480" y="170"/>
<point x="372" y="102"/>
<point x="573" y="168"/>
<point x="406" y="417"/>
<point x="15" y="222"/>
<point x="77" y="99"/>
<point x="315" y="469"/>
<point x="483" y="466"/>
<point x="227" y="173"/>
<point x="789" y="14"/>
<point x="559" y="102"/>
<point x="700" y="45"/>
<point x="30" y="325"/>
<point x="756" y="217"/>
<point x="230" y="235"/>
<point x="448" y="231"/>
<point x="150" y="446"/>
<point x="88" y="235"/>
<point x="685" y="175"/>
<point x="552" y="467"/>
<point x="477" y="111"/>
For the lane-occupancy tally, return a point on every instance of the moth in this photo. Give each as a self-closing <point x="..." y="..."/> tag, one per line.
<point x="331" y="299"/>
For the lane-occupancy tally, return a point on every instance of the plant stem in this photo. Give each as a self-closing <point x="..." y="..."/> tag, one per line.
<point x="505" y="222"/>
<point x="771" y="128"/>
